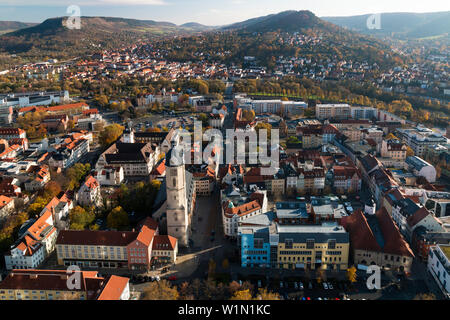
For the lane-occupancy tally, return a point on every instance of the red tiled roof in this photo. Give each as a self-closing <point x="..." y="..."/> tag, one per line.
<point x="418" y="216"/>
<point x="164" y="242"/>
<point x="113" y="288"/>
<point x="393" y="240"/>
<point x="362" y="237"/>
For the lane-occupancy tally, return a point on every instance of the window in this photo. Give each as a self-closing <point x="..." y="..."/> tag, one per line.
<point x="258" y="243"/>
<point x="310" y="243"/>
<point x="288" y="243"/>
<point x="332" y="244"/>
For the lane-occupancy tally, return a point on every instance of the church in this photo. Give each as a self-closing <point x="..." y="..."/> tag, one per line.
<point x="176" y="198"/>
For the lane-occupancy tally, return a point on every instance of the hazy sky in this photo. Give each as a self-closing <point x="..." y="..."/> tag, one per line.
<point x="209" y="12"/>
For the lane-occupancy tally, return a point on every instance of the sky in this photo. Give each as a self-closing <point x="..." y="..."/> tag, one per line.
<point x="208" y="12"/>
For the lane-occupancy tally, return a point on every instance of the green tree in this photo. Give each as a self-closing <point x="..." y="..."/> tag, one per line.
<point x="160" y="290"/>
<point x="117" y="219"/>
<point x="80" y="218"/>
<point x="110" y="134"/>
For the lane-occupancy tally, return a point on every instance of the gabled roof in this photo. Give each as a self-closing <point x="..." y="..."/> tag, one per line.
<point x="393" y="240"/>
<point x="164" y="242"/>
<point x="418" y="216"/>
<point x="362" y="237"/>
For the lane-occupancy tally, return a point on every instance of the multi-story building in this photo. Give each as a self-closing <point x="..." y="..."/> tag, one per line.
<point x="35" y="98"/>
<point x="333" y="111"/>
<point x="236" y="209"/>
<point x="12" y="133"/>
<point x="89" y="192"/>
<point x="376" y="240"/>
<point x="346" y="179"/>
<point x="312" y="247"/>
<point x="34" y="245"/>
<point x="205" y="179"/>
<point x="110" y="176"/>
<point x="393" y="149"/>
<point x="439" y="267"/>
<point x="114" y="249"/>
<point x="33" y="284"/>
<point x="421" y="168"/>
<point x="6" y="207"/>
<point x="420" y="138"/>
<point x="136" y="159"/>
<point x="67" y="154"/>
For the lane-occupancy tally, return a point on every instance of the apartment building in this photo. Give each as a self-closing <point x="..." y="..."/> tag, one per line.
<point x="393" y="149"/>
<point x="333" y="111"/>
<point x="34" y="245"/>
<point x="6" y="207"/>
<point x="69" y="153"/>
<point x="346" y="179"/>
<point x="420" y="138"/>
<point x="439" y="267"/>
<point x="34" y="284"/>
<point x="236" y="209"/>
<point x="131" y="250"/>
<point x="312" y="247"/>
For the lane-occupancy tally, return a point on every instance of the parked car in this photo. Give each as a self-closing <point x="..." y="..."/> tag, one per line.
<point x="295" y="285"/>
<point x="281" y="284"/>
<point x="330" y="286"/>
<point x="325" y="286"/>
<point x="259" y="284"/>
<point x="300" y="285"/>
<point x="310" y="286"/>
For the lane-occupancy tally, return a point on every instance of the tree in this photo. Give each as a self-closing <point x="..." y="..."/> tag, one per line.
<point x="160" y="290"/>
<point x="264" y="294"/>
<point x="242" y="295"/>
<point x="292" y="140"/>
<point x="425" y="296"/>
<point x="80" y="219"/>
<point x="117" y="218"/>
<point x="76" y="174"/>
<point x="51" y="190"/>
<point x="351" y="274"/>
<point x="264" y="126"/>
<point x="248" y="115"/>
<point x="391" y="136"/>
<point x="409" y="151"/>
<point x="110" y="134"/>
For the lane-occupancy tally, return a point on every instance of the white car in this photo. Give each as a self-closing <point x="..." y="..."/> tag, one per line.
<point x="281" y="284"/>
<point x="295" y="285"/>
<point x="325" y="286"/>
<point x="300" y="285"/>
<point x="330" y="286"/>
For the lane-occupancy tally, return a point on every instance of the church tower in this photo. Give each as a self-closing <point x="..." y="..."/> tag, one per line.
<point x="128" y="134"/>
<point x="177" y="209"/>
